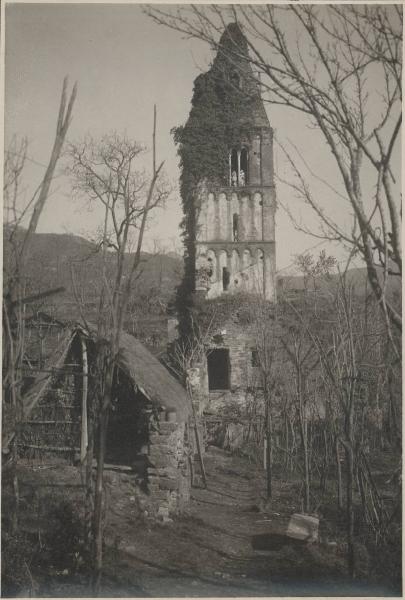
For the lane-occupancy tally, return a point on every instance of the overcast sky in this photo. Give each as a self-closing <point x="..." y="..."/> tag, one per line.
<point x="123" y="63"/>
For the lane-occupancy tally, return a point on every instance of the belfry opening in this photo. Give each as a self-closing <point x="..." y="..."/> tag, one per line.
<point x="239" y="167"/>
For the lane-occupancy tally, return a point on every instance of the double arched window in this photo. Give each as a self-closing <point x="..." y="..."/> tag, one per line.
<point x="239" y="167"/>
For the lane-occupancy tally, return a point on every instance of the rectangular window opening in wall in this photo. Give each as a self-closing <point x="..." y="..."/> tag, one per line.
<point x="218" y="369"/>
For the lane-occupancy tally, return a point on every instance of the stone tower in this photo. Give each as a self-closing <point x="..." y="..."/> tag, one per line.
<point x="234" y="235"/>
<point x="229" y="203"/>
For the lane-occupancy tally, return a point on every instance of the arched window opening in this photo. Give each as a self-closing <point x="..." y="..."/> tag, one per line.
<point x="235" y="226"/>
<point x="210" y="268"/>
<point x="234" y="167"/>
<point x="238" y="167"/>
<point x="243" y="172"/>
<point x="226" y="277"/>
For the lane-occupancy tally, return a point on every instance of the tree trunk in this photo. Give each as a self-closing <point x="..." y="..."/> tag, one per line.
<point x="88" y="476"/>
<point x="99" y="489"/>
<point x="98" y="504"/>
<point x="306" y="476"/>
<point x="269" y="449"/>
<point x="16" y="487"/>
<point x="287" y="441"/>
<point x="304" y="440"/>
<point x="324" y="474"/>
<point x="350" y="509"/>
<point x="197" y="435"/>
<point x="293" y="446"/>
<point x="199" y="451"/>
<point x="89" y="503"/>
<point x="394" y="431"/>
<point x="339" y="475"/>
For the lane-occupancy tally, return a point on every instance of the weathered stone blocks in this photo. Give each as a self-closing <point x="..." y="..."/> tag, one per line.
<point x="167" y="427"/>
<point x="166" y="454"/>
<point x="169" y="484"/>
<point x="161" y="460"/>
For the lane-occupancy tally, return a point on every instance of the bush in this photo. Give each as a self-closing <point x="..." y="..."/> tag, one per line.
<point x="18" y="553"/>
<point x="63" y="547"/>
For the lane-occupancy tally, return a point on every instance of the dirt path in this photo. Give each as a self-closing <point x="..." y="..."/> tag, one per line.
<point x="227" y="546"/>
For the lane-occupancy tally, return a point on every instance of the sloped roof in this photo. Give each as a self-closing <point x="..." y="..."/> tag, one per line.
<point x="146" y="372"/>
<point x="151" y="377"/>
<point x="233" y="53"/>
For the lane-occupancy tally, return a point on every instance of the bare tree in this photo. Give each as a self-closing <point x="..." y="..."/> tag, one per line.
<point x="189" y="353"/>
<point x="15" y="288"/>
<point x="267" y="346"/>
<point x="302" y="358"/>
<point x="349" y="357"/>
<point x="300" y="319"/>
<point x="340" y="67"/>
<point x="104" y="171"/>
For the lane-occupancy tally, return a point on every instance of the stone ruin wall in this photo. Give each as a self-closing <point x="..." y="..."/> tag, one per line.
<point x="247" y="252"/>
<point x="168" y="470"/>
<point x="240" y="341"/>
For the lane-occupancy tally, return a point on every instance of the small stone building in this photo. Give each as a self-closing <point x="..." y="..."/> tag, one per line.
<point x="157" y="437"/>
<point x="229" y="370"/>
<point x="227" y="383"/>
<point x="148" y="434"/>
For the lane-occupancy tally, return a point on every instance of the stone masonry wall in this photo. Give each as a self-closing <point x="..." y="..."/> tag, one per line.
<point x="240" y="341"/>
<point x="168" y="470"/>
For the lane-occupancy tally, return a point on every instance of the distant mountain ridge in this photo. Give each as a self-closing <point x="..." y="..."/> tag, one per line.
<point x="53" y="257"/>
<point x="356" y="277"/>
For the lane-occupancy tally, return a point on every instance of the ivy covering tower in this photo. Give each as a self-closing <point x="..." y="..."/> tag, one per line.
<point x="227" y="182"/>
<point x="229" y="203"/>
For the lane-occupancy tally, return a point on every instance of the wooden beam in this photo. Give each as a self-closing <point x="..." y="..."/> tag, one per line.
<point x="40" y="385"/>
<point x="34" y="297"/>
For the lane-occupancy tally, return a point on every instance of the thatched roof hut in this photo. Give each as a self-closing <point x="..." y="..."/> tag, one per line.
<point x="151" y="377"/>
<point x="143" y="369"/>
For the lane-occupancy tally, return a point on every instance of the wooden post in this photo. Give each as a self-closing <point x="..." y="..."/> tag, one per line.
<point x="265" y="453"/>
<point x="84" y="426"/>
<point x="197" y="436"/>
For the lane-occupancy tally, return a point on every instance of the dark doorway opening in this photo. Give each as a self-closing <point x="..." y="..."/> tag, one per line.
<point x="218" y="369"/>
<point x="128" y="425"/>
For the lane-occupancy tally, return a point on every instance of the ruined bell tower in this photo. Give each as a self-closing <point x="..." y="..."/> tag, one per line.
<point x="229" y="204"/>
<point x="234" y="235"/>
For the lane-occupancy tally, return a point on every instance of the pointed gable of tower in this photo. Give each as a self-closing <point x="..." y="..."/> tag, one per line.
<point x="233" y="66"/>
<point x="226" y="104"/>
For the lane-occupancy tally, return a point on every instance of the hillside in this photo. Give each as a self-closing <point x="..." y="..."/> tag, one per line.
<point x="356" y="278"/>
<point x="53" y="257"/>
